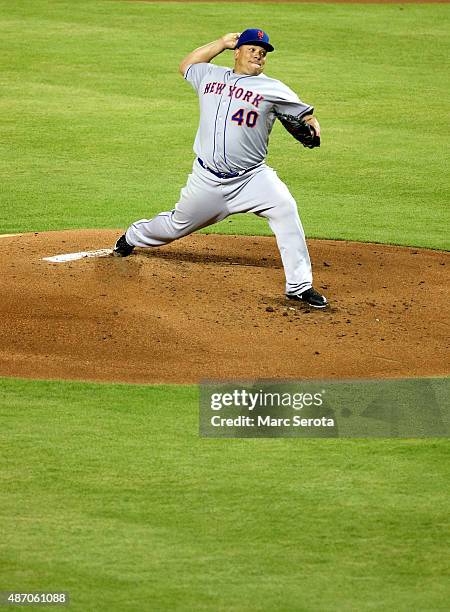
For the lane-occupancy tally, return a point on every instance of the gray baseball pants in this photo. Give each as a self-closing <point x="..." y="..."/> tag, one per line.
<point x="207" y="199"/>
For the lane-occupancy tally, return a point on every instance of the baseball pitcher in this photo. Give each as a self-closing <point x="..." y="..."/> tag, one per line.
<point x="238" y="108"/>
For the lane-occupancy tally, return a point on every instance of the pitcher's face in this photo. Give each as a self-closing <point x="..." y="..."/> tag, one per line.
<point x="250" y="59"/>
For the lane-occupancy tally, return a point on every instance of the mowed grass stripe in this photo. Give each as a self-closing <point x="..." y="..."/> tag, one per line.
<point x="97" y="126"/>
<point x="109" y="493"/>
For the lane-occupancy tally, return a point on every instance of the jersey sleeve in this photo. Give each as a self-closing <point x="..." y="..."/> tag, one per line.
<point x="195" y="73"/>
<point x="287" y="102"/>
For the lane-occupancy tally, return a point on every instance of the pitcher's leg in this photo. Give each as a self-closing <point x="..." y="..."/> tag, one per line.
<point x="290" y="236"/>
<point x="266" y="195"/>
<point x="201" y="204"/>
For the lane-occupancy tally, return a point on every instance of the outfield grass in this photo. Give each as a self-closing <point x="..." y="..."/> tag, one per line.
<point x="109" y="493"/>
<point x="97" y="126"/>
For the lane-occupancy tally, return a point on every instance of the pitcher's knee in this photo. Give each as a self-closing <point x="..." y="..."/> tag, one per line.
<point x="181" y="226"/>
<point x="170" y="226"/>
<point x="286" y="209"/>
<point x="290" y="206"/>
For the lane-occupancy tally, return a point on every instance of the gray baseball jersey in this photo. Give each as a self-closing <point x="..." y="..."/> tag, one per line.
<point x="237" y="113"/>
<point x="229" y="176"/>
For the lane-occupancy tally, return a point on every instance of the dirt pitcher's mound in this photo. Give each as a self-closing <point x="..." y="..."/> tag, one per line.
<point x="212" y="307"/>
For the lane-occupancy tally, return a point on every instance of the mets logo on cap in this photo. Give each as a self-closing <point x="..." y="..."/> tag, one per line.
<point x="254" y="36"/>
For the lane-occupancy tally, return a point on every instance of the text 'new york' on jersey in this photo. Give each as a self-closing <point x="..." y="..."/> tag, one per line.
<point x="237" y="113"/>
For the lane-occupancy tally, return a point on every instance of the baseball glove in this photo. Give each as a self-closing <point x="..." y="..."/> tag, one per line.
<point x="300" y="130"/>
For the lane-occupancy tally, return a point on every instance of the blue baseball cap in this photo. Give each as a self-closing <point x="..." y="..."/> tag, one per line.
<point x="254" y="37"/>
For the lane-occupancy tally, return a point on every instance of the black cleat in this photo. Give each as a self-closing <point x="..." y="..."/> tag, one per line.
<point x="122" y="248"/>
<point x="311" y="297"/>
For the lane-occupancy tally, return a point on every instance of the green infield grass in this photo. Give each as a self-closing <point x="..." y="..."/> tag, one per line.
<point x="97" y="125"/>
<point x="109" y="493"/>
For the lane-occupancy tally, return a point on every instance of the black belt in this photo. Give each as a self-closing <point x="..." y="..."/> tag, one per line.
<point x="224" y="175"/>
